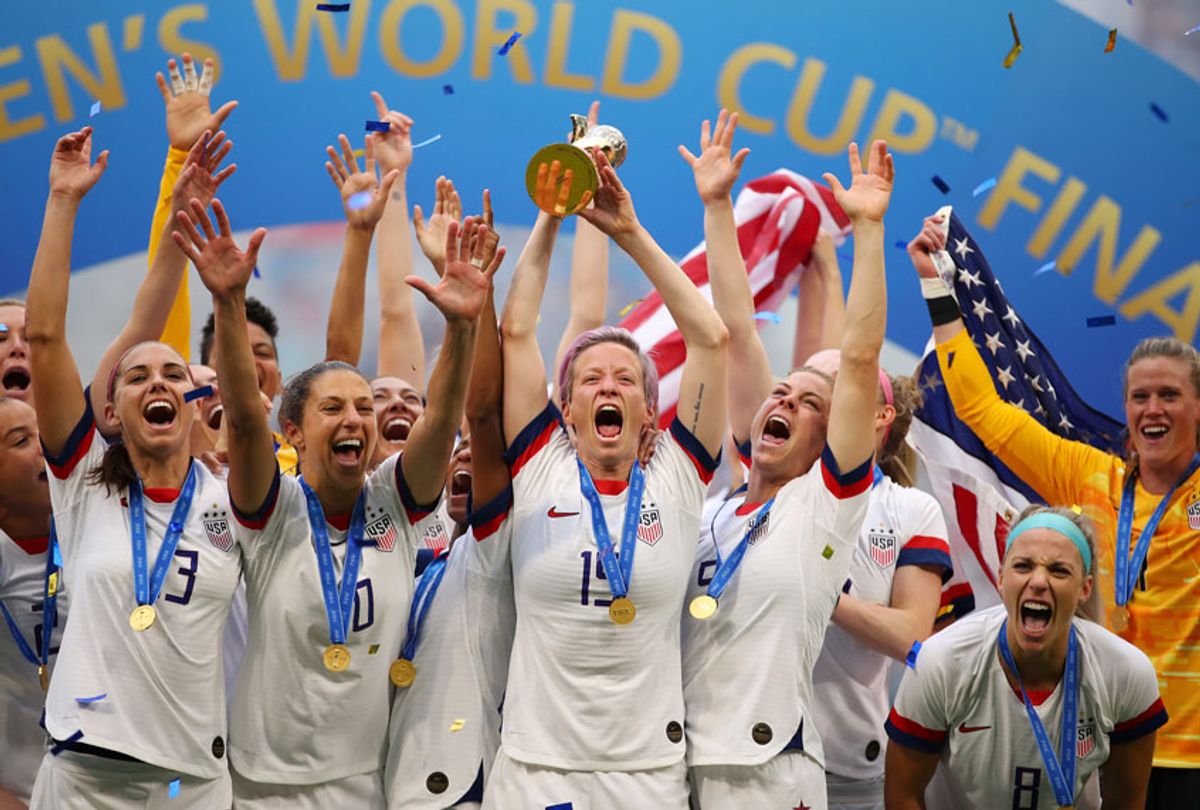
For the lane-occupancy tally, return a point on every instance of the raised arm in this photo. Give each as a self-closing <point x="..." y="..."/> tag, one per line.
<point x="715" y="171"/>
<point x="489" y="472"/>
<point x="56" y="386"/>
<point x="851" y="435"/>
<point x="363" y="200"/>
<point x="225" y="271"/>
<point x="199" y="180"/>
<point x="821" y="316"/>
<point x="701" y="405"/>
<point x="459" y="296"/>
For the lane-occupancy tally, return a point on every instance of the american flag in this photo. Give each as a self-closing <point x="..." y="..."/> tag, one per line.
<point x="979" y="495"/>
<point x="778" y="217"/>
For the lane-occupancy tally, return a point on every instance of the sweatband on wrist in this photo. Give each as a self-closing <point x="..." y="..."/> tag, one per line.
<point x="943" y="310"/>
<point x="1057" y="523"/>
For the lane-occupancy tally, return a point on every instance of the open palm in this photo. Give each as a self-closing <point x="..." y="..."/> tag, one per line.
<point x="223" y="266"/>
<point x="72" y="173"/>
<point x="462" y="290"/>
<point x="202" y="174"/>
<point x="717" y="168"/>
<point x="870" y="191"/>
<point x="363" y="195"/>
<point x="187" y="102"/>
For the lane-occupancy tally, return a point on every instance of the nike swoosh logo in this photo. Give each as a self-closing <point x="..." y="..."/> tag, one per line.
<point x="554" y="513"/>
<point x="965" y="729"/>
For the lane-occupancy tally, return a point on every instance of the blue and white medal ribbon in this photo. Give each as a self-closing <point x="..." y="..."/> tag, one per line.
<point x="402" y="671"/>
<point x="1061" y="770"/>
<point x="147" y="588"/>
<point x="339" y="599"/>
<point x="705" y="606"/>
<point x="41" y="659"/>
<point x="621" y="610"/>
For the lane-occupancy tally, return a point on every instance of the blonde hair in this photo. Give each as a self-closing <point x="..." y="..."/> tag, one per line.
<point x="896" y="458"/>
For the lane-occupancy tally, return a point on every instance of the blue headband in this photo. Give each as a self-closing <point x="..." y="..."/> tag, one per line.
<point x="1060" y="524"/>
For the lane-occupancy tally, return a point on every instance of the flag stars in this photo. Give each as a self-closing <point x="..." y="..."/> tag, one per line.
<point x="981" y="309"/>
<point x="1011" y="317"/>
<point x="1005" y="376"/>
<point x="962" y="248"/>
<point x="1023" y="345"/>
<point x="931" y="383"/>
<point x="994" y="343"/>
<point x="968" y="279"/>
<point x="1065" y="423"/>
<point x="1037" y="384"/>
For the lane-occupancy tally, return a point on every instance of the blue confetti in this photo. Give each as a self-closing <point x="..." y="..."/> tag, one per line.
<point x="1046" y="268"/>
<point x="773" y="317"/>
<point x="333" y="6"/>
<point x="941" y="184"/>
<point x="173" y="789"/>
<point x="900" y="243"/>
<point x="57" y="556"/>
<point x="95" y="110"/>
<point x="563" y="806"/>
<point x="1102" y="320"/>
<point x="428" y="141"/>
<point x="507" y="46"/>
<point x="986" y="185"/>
<point x="256" y="273"/>
<point x="360" y="200"/>
<point x="910" y="660"/>
<point x="203" y="392"/>
<point x="846" y="587"/>
<point x="59" y="747"/>
<point x="448" y="89"/>
<point x="378" y="126"/>
<point x="1159" y="111"/>
<point x="85" y="701"/>
<point x="3" y="328"/>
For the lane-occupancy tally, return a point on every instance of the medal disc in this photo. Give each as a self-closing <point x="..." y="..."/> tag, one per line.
<point x="621" y="611"/>
<point x="1119" y="620"/>
<point x="337" y="658"/>
<point x="402" y="672"/>
<point x="43" y="677"/>
<point x="703" y="607"/>
<point x="142" y="617"/>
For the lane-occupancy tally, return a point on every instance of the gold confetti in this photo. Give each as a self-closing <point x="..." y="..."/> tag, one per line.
<point x="457" y="724"/>
<point x="1016" y="48"/>
<point x="828" y="552"/>
<point x="625" y="310"/>
<point x="1076" y="509"/>
<point x="52" y="584"/>
<point x="374" y="648"/>
<point x="362" y="152"/>
<point x="1112" y="41"/>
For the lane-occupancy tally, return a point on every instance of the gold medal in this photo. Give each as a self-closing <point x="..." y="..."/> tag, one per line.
<point x="703" y="607"/>
<point x="1067" y="807"/>
<point x="337" y="658"/>
<point x="402" y="672"/>
<point x="142" y="618"/>
<point x="43" y="677"/>
<point x="1119" y="619"/>
<point x="621" y="611"/>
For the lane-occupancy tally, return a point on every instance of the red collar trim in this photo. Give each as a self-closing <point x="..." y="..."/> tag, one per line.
<point x="339" y="522"/>
<point x="610" y="486"/>
<point x="1036" y="697"/>
<point x="746" y="508"/>
<point x="161" y="494"/>
<point x="33" y="545"/>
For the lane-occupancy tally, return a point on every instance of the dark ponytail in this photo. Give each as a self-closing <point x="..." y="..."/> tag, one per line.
<point x="115" y="471"/>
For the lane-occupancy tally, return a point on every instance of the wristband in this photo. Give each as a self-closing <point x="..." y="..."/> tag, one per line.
<point x="943" y="310"/>
<point x="935" y="287"/>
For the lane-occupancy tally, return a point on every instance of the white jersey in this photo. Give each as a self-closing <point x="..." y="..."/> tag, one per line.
<point x="747" y="671"/>
<point x="161" y="692"/>
<point x="958" y="702"/>
<point x="22" y="588"/>
<point x="293" y="721"/>
<point x="445" y="728"/>
<point x="903" y="526"/>
<point x="583" y="692"/>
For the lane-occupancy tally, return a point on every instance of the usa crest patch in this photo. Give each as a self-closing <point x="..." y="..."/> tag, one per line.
<point x="1085" y="739"/>
<point x="1193" y="513"/>
<point x="435" y="536"/>
<point x="216" y="528"/>
<point x="380" y="531"/>
<point x="883" y="548"/>
<point x="758" y="531"/>
<point x="650" y="526"/>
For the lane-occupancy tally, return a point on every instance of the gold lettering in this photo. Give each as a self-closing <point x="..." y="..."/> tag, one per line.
<point x="1183" y="321"/>
<point x="897" y="106"/>
<point x="173" y="42"/>
<point x="1051" y="225"/>
<point x="453" y="36"/>
<point x="291" y="64"/>
<point x="802" y="101"/>
<point x="489" y="37"/>
<point x="10" y="129"/>
<point x="57" y="58"/>
<point x="556" y="57"/>
<point x="736" y="67"/>
<point x="1104" y="221"/>
<point x="670" y="56"/>
<point x="1009" y="188"/>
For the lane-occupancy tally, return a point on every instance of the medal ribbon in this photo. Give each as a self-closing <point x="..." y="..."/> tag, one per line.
<point x="146" y="592"/>
<point x="427" y="588"/>
<point x="727" y="567"/>
<point x="1061" y="771"/>
<point x="618" y="575"/>
<point x="1128" y="570"/>
<point x="49" y="610"/>
<point x="339" y="599"/>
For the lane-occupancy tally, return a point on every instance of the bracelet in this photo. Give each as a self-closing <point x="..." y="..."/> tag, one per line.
<point x="943" y="310"/>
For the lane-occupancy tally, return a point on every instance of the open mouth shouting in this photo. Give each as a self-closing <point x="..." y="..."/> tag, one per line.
<point x="214" y="417"/>
<point x="348" y="451"/>
<point x="15" y="382"/>
<point x="1035" y="617"/>
<point x="610" y="422"/>
<point x="460" y="482"/>
<point x="396" y="429"/>
<point x="776" y="431"/>
<point x="1154" y="433"/>
<point x="160" y="414"/>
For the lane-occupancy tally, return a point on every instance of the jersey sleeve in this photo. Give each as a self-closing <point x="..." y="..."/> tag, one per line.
<point x="392" y="468"/>
<point x="177" y="332"/>
<point x="259" y="533"/>
<point x="83" y="450"/>
<point x="1055" y="467"/>
<point x="528" y="450"/>
<point x="491" y="528"/>
<point x="918" y="718"/>
<point x="703" y="465"/>
<point x="926" y="542"/>
<point x="837" y="501"/>
<point x="1139" y="709"/>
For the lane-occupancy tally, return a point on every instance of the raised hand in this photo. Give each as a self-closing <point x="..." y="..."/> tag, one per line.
<point x="393" y="149"/>
<point x="612" y="210"/>
<point x="363" y="195"/>
<point x="187" y="104"/>
<point x="717" y="169"/>
<point x="929" y="241"/>
<point x="72" y="173"/>
<point x="224" y="268"/>
<point x="200" y="177"/>
<point x="431" y="235"/>
<point x="553" y="189"/>
<point x="462" y="290"/>
<point x="869" y="192"/>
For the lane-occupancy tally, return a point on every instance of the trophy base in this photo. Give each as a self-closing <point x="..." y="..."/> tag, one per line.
<point x="585" y="177"/>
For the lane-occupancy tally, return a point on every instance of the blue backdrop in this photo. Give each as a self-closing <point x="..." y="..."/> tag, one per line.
<point x="1088" y="174"/>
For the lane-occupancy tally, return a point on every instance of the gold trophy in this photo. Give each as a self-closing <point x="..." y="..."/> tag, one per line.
<point x="576" y="156"/>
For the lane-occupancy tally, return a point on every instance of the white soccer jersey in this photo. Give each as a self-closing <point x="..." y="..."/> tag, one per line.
<point x="159" y="694"/>
<point x="293" y="721"/>
<point x="850" y="680"/>
<point x="747" y="670"/>
<point x="445" y="728"/>
<point x="583" y="692"/>
<point x="957" y="701"/>
<point x="22" y="584"/>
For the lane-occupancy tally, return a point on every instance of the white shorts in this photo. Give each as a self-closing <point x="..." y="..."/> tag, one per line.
<point x="362" y="791"/>
<point x="790" y="779"/>
<point x="515" y="785"/>
<point x="854" y="794"/>
<point x="72" y="781"/>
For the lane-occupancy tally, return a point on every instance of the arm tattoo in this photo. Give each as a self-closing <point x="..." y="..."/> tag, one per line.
<point x="696" y="408"/>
